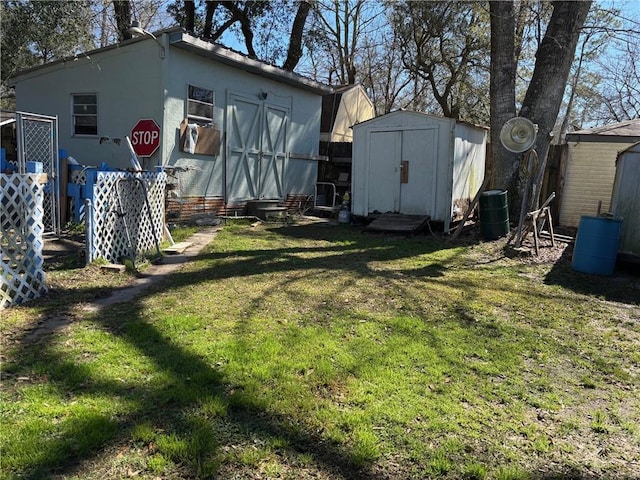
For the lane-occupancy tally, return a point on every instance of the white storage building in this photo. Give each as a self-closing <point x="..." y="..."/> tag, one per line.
<point x="417" y="164"/>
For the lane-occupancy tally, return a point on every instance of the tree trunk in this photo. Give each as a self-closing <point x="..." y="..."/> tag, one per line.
<point x="242" y="17"/>
<point x="553" y="64"/>
<point x="295" y="40"/>
<point x="207" y="32"/>
<point x="122" y="11"/>
<point x="189" y="15"/>
<point x="502" y="95"/>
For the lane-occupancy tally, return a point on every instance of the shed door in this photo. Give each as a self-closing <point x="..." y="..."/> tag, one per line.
<point x="256" y="154"/>
<point x="402" y="170"/>
<point x="273" y="152"/>
<point x="384" y="171"/>
<point x="419" y="157"/>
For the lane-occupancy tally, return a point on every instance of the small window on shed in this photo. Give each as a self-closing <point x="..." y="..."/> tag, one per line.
<point x="200" y="105"/>
<point x="85" y="114"/>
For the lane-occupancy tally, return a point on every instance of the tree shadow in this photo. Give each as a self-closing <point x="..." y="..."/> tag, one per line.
<point x="623" y="286"/>
<point x="170" y="406"/>
<point x="164" y="407"/>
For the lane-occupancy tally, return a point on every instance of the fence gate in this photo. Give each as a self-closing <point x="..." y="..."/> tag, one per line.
<point x="37" y="138"/>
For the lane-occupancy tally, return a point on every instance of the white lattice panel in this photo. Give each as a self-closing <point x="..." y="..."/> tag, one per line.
<point x="21" y="245"/>
<point x="127" y="215"/>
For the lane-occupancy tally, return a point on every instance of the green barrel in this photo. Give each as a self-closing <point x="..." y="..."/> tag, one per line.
<point x="494" y="214"/>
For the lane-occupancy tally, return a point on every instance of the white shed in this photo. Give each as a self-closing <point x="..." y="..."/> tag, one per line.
<point x="416" y="164"/>
<point x="625" y="200"/>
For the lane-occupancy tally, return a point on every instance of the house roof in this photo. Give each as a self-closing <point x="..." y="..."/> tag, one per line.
<point x="183" y="40"/>
<point x="180" y="39"/>
<point x="626" y="129"/>
<point x="635" y="148"/>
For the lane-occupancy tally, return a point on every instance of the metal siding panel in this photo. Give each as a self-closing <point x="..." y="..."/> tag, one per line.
<point x="626" y="201"/>
<point x="359" y="199"/>
<point x="468" y="168"/>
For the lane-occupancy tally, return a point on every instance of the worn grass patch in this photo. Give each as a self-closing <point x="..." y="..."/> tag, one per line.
<point x="321" y="352"/>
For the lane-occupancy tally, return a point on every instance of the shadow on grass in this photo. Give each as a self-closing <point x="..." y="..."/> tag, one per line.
<point x="190" y="381"/>
<point x="82" y="437"/>
<point x="623" y="286"/>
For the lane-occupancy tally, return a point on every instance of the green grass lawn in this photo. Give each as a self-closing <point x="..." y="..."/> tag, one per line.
<point x="321" y="352"/>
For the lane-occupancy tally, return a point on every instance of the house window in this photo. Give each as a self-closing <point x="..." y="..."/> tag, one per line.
<point x="200" y="105"/>
<point x="85" y="114"/>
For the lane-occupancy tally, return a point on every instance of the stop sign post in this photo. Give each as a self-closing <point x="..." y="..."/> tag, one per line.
<point x="145" y="137"/>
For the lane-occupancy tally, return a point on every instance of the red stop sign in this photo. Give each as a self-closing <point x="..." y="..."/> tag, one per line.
<point x="145" y="137"/>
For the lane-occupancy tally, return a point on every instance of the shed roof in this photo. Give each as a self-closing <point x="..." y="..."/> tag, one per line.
<point x="180" y="39"/>
<point x="183" y="40"/>
<point x="395" y="113"/>
<point x="628" y="128"/>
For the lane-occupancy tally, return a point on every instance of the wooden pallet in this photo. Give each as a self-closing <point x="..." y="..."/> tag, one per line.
<point x="398" y="223"/>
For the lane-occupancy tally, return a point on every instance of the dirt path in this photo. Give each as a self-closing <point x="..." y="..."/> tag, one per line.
<point x="156" y="272"/>
<point x="152" y="275"/>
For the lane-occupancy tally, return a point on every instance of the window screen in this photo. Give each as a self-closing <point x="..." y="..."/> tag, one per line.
<point x="85" y="114"/>
<point x="200" y="105"/>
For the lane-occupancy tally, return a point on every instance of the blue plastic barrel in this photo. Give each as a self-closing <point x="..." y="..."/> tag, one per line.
<point x="596" y="247"/>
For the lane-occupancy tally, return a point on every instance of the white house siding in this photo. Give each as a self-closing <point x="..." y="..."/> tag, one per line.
<point x="124" y="79"/>
<point x="588" y="179"/>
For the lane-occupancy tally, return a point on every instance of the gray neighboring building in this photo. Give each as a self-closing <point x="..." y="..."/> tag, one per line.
<point x="625" y="200"/>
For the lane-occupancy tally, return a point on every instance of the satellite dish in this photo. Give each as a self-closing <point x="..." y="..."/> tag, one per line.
<point x="518" y="134"/>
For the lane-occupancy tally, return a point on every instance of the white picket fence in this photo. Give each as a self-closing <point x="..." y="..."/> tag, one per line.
<point x="124" y="219"/>
<point x="22" y="243"/>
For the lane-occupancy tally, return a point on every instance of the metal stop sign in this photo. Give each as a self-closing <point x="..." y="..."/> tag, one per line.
<point x="145" y="137"/>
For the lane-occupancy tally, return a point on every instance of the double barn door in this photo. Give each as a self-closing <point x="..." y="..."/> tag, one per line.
<point x="256" y="155"/>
